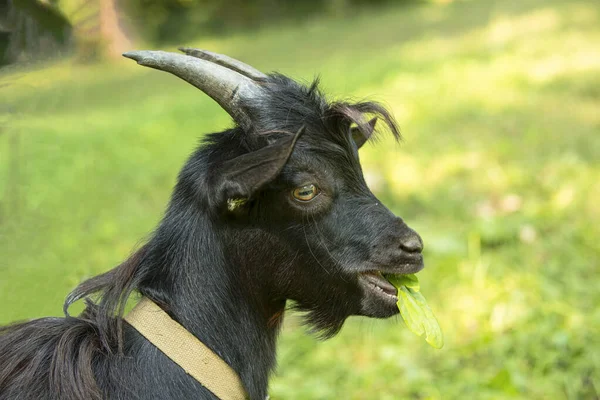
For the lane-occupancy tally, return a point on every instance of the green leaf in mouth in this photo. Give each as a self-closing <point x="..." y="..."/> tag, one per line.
<point x="415" y="311"/>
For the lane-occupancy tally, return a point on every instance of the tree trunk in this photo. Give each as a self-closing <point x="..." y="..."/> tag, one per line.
<point x="113" y="36"/>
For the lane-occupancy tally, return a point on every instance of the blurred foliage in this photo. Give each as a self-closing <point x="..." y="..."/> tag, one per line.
<point x="176" y="20"/>
<point x="499" y="172"/>
<point x="31" y="29"/>
<point x="34" y="29"/>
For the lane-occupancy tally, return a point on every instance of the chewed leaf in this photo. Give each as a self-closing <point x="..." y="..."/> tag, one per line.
<point x="415" y="311"/>
<point x="409" y="309"/>
<point x="410" y="281"/>
<point x="433" y="332"/>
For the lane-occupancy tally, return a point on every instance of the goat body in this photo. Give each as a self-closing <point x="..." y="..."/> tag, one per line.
<point x="275" y="209"/>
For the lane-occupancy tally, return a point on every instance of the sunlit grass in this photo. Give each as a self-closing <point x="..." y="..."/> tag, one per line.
<point x="499" y="106"/>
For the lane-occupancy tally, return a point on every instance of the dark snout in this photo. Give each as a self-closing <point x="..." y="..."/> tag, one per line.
<point x="409" y="240"/>
<point x="397" y="248"/>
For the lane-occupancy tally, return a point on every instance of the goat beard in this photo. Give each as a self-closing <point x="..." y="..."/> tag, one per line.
<point x="322" y="322"/>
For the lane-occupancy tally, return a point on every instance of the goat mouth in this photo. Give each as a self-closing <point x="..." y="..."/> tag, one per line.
<point x="376" y="282"/>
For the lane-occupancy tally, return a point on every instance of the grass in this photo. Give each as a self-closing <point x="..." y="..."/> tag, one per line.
<point x="499" y="172"/>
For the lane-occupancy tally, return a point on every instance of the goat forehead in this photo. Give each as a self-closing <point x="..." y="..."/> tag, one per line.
<point x="288" y="104"/>
<point x="330" y="163"/>
<point x="327" y="146"/>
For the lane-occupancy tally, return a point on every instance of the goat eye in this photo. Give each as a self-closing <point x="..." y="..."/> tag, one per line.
<point x="306" y="192"/>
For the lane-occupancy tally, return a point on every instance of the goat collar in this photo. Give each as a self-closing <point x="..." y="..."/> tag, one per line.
<point x="186" y="350"/>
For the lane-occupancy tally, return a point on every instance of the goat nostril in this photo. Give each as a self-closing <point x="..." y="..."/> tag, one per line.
<point x="412" y="244"/>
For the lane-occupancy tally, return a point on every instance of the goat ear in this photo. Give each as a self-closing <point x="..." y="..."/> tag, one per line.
<point x="242" y="176"/>
<point x="359" y="137"/>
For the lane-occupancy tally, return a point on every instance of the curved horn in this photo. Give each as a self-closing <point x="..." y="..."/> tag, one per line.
<point x="226" y="61"/>
<point x="227" y="87"/>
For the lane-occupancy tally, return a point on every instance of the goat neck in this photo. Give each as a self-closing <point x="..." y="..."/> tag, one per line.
<point x="205" y="285"/>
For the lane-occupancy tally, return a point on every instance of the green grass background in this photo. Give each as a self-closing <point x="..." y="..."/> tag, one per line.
<point x="499" y="103"/>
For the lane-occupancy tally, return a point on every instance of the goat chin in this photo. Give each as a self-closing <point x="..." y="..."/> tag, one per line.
<point x="271" y="212"/>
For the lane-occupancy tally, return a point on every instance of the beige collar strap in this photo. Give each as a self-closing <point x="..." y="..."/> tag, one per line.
<point x="186" y="350"/>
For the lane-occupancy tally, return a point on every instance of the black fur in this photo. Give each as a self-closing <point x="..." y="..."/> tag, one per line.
<point x="226" y="275"/>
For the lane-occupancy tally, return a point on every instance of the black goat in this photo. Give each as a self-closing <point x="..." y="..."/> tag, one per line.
<point x="275" y="209"/>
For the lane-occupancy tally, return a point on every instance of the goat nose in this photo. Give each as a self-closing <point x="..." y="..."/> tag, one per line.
<point x="412" y="243"/>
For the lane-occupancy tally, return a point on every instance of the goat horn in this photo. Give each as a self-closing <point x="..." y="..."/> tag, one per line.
<point x="226" y="61"/>
<point x="225" y="86"/>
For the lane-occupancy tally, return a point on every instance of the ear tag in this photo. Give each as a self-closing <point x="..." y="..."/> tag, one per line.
<point x="232" y="204"/>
